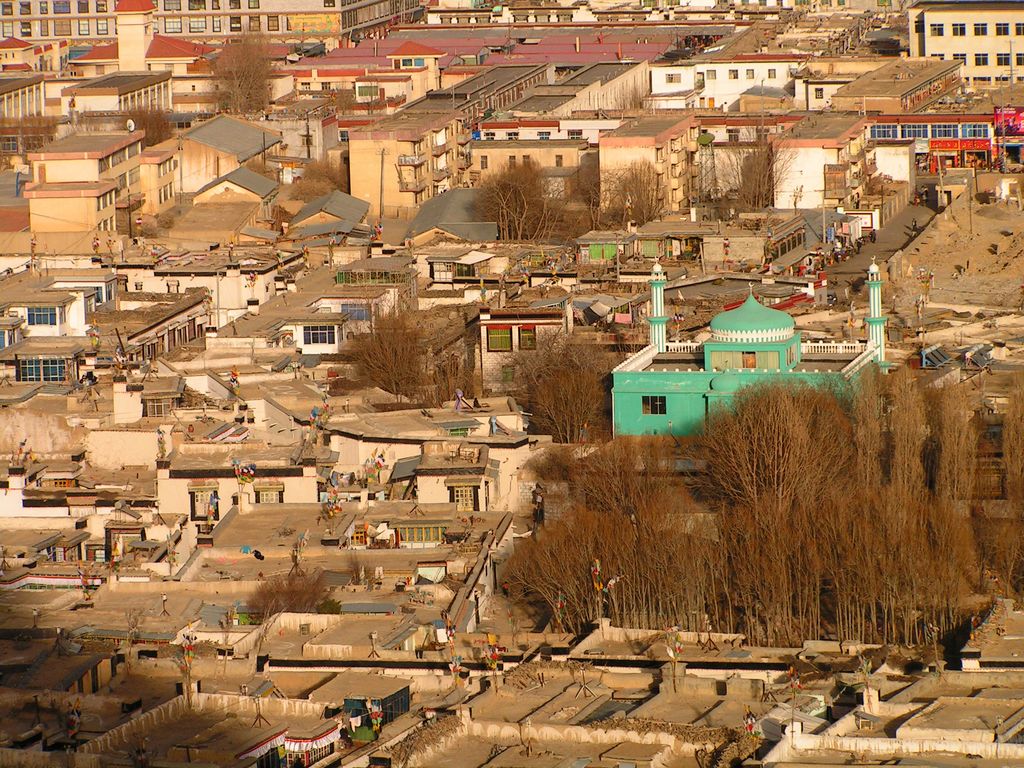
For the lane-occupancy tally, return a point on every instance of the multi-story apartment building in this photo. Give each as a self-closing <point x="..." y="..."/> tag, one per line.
<point x="718" y="81"/>
<point x="986" y="36"/>
<point x="398" y="163"/>
<point x="669" y="143"/>
<point x="83" y="21"/>
<point x="822" y="162"/>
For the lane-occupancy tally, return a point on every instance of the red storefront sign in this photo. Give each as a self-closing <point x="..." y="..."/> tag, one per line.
<point x="955" y="145"/>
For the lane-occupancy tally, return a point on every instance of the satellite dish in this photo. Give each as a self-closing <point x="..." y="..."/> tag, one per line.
<point x="130" y="125"/>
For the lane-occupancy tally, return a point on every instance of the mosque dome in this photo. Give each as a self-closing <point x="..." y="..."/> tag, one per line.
<point x="752" y="322"/>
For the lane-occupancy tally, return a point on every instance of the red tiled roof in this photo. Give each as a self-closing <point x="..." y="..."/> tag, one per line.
<point x="134" y="6"/>
<point x="14" y="219"/>
<point x="162" y="47"/>
<point x="17" y="68"/>
<point x="412" y="48"/>
<point x="14" y="42"/>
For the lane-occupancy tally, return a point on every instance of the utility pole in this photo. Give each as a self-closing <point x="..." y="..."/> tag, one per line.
<point x="307" y="139"/>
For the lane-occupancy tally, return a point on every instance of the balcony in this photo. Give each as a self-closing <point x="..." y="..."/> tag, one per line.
<point x="412" y="160"/>
<point x="441" y="174"/>
<point x="412" y="185"/>
<point x="439" y="149"/>
<point x="464" y="138"/>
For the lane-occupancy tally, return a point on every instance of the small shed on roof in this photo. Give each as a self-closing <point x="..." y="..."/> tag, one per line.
<point x="334" y="206"/>
<point x="239" y="184"/>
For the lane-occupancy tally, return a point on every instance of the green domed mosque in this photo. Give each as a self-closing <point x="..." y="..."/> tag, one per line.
<point x="670" y="387"/>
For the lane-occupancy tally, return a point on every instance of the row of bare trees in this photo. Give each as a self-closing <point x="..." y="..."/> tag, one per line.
<point x="816" y="514"/>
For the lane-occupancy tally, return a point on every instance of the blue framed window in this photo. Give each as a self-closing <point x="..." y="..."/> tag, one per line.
<point x="884" y="131"/>
<point x="41" y="369"/>
<point x="356" y="311"/>
<point x="42" y="315"/>
<point x="318" y="334"/>
<point x="975" y="131"/>
<point x="914" y="131"/>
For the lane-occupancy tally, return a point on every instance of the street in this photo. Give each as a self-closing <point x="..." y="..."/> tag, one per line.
<point x="892" y="236"/>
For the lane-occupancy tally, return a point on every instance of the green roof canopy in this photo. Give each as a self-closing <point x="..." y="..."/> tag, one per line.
<point x="752" y="321"/>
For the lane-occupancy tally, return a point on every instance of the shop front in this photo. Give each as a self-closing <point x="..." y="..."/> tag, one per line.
<point x="959" y="153"/>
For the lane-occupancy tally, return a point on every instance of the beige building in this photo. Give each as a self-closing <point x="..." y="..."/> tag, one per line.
<point x="119" y="92"/>
<point x="903" y="85"/>
<point x="558" y="160"/>
<point x="401" y="161"/>
<point x="668" y="143"/>
<point x="986" y="38"/>
<point x="218" y="146"/>
<point x="21" y="96"/>
<point x="78" y="180"/>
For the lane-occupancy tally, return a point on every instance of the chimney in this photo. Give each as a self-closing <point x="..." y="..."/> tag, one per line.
<point x="127" y="401"/>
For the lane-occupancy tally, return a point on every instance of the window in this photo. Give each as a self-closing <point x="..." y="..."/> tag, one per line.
<point x="172" y="25"/>
<point x="981" y="30"/>
<point x="944" y="131"/>
<point x="543" y="135"/>
<point x="819" y="93"/>
<point x="216" y="26"/>
<point x="42" y="315"/>
<point x="328" y="3"/>
<point x="356" y="311"/>
<point x="975" y="131"/>
<point x="653" y="405"/>
<point x="273" y="23"/>
<point x="25" y="9"/>
<point x="1002" y="29"/>
<point x="254" y="5"/>
<point x="172" y="5"/>
<point x="102" y="26"/>
<point x="936" y="30"/>
<point x="197" y="5"/>
<point x="750" y="74"/>
<point x="575" y="134"/>
<point x="41" y="369"/>
<point x="1002" y="59"/>
<point x="44" y="28"/>
<point x="711" y="74"/>
<point x="235" y="5"/>
<point x="527" y="337"/>
<point x="101" y="6"/>
<point x="83" y="28"/>
<point x="558" y="161"/>
<point x="961" y="57"/>
<point x="981" y="59"/>
<point x="884" y="131"/>
<point x="959" y="30"/>
<point x="499" y="339"/>
<point x="318" y="334"/>
<point x="1018" y="28"/>
<point x="734" y="74"/>
<point x="269" y="496"/>
<point x="62" y="6"/>
<point x="1020" y="59"/>
<point x="254" y="23"/>
<point x="235" y="24"/>
<point x="512" y="135"/>
<point x="83" y="6"/>
<point x="914" y="131"/>
<point x="62" y="28"/>
<point x="26" y="28"/>
<point x="483" y="162"/>
<point x="464" y="497"/>
<point x="6" y="9"/>
<point x="673" y="78"/>
<point x="159" y="406"/>
<point x="771" y="74"/>
<point x="197" y="25"/>
<point x="204" y="503"/>
<point x="44" y="6"/>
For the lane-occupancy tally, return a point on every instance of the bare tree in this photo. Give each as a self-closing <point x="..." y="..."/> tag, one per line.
<point x="242" y="71"/>
<point x="634" y="193"/>
<point x="319" y="178"/>
<point x="393" y="355"/>
<point x="749" y="175"/>
<point x="30" y="133"/>
<point x="297" y="592"/>
<point x="517" y="200"/>
<point x="562" y="384"/>
<point x="154" y="122"/>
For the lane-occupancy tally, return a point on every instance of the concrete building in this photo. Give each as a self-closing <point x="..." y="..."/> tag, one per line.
<point x="718" y="81"/>
<point x="118" y="92"/>
<point x="401" y="161"/>
<point x="671" y="387"/>
<point x="905" y="85"/>
<point x="286" y="20"/>
<point x="979" y="35"/>
<point x="667" y="143"/>
<point x="21" y="96"/>
<point x="216" y="147"/>
<point x="822" y="162"/>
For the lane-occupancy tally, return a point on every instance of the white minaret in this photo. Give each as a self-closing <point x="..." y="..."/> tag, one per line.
<point x="657" y="319"/>
<point x="875" y="319"/>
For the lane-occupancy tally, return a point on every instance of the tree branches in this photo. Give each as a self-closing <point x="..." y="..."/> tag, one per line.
<point x="242" y="71"/>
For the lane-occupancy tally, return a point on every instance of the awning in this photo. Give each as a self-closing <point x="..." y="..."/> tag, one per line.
<point x="263" y="747"/>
